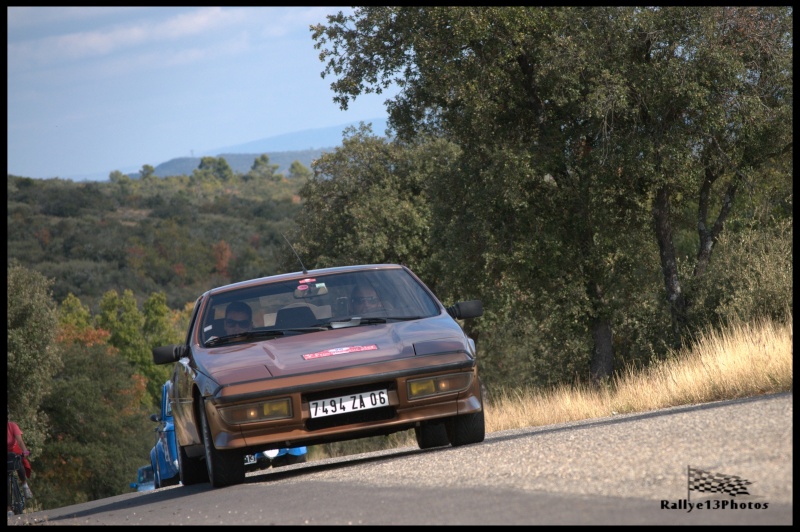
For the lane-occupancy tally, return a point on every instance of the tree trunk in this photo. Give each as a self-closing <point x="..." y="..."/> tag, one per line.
<point x="669" y="267"/>
<point x="708" y="237"/>
<point x="603" y="353"/>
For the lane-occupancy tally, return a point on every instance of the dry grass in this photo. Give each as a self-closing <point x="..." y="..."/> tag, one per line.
<point x="744" y="360"/>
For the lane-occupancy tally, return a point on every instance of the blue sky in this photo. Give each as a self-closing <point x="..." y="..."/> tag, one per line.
<point x="97" y="89"/>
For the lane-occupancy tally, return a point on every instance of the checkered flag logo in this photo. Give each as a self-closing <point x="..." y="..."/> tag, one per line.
<point x="707" y="481"/>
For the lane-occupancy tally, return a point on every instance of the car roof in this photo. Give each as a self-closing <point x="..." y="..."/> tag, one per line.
<point x="300" y="275"/>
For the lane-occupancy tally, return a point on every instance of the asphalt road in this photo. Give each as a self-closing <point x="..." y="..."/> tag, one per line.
<point x="627" y="469"/>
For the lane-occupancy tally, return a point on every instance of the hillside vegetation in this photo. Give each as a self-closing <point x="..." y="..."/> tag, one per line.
<point x="179" y="235"/>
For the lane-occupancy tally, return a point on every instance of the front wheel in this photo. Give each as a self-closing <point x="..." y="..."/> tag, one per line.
<point x="225" y="468"/>
<point x="192" y="470"/>
<point x="430" y="434"/>
<point x="466" y="429"/>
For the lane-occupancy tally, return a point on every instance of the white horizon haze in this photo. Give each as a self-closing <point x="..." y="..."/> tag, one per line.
<point x="97" y="89"/>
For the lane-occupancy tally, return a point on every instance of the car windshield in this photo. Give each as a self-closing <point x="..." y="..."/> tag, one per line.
<point x="146" y="475"/>
<point x="316" y="302"/>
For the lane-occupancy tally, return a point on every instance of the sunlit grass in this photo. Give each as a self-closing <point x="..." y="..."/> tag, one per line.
<point x="743" y="360"/>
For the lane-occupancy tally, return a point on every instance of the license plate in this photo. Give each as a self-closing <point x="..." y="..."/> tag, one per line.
<point x="349" y="403"/>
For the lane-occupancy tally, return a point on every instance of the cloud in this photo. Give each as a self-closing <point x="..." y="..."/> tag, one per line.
<point x="138" y="30"/>
<point x="120" y="37"/>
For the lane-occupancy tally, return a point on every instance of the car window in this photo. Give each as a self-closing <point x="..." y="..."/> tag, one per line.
<point x="328" y="297"/>
<point x="193" y="320"/>
<point x="166" y="405"/>
<point x="146" y="474"/>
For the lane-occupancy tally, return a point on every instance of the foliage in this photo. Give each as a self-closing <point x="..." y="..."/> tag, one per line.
<point x="751" y="278"/>
<point x="74" y="315"/>
<point x="367" y="204"/>
<point x="262" y="169"/>
<point x="134" y="334"/>
<point x="33" y="355"/>
<point x="212" y="169"/>
<point x="152" y="234"/>
<point x="240" y="163"/>
<point x="582" y="132"/>
<point x="100" y="431"/>
<point x="299" y="171"/>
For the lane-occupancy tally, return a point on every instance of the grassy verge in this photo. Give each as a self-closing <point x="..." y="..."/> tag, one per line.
<point x="743" y="360"/>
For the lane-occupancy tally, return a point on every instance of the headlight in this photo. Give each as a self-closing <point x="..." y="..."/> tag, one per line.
<point x="456" y="382"/>
<point x="266" y="411"/>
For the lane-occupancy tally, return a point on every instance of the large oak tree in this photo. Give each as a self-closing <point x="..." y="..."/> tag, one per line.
<point x="586" y="133"/>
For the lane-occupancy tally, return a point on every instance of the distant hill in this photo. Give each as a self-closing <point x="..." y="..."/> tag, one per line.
<point x="309" y="139"/>
<point x="283" y="150"/>
<point x="239" y="162"/>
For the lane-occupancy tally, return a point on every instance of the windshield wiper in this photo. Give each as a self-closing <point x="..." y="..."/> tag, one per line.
<point x="355" y="320"/>
<point x="217" y="340"/>
<point x="315" y="328"/>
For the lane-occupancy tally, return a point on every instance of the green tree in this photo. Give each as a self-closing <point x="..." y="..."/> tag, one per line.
<point x="581" y="129"/>
<point x="368" y="204"/>
<point x="213" y="169"/>
<point x="33" y="354"/>
<point x="131" y="333"/>
<point x="74" y="314"/>
<point x="147" y="173"/>
<point x="118" y="177"/>
<point x="158" y="328"/>
<point x="263" y="170"/>
<point x="100" y="430"/>
<point x="299" y="171"/>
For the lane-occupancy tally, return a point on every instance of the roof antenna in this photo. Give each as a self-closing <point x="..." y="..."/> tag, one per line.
<point x="305" y="272"/>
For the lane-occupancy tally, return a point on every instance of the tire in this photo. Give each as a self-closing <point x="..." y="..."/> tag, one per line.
<point x="468" y="428"/>
<point x="170" y="481"/>
<point x="156" y="475"/>
<point x="430" y="434"/>
<point x="192" y="470"/>
<point x="17" y="498"/>
<point x="225" y="468"/>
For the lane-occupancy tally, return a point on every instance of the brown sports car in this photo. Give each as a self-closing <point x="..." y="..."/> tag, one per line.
<point x="320" y="356"/>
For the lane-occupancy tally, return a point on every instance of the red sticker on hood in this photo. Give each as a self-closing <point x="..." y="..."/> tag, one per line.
<point x="339" y="351"/>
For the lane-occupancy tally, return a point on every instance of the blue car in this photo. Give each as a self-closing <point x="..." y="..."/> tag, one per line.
<point x="275" y="458"/>
<point x="144" y="479"/>
<point x="164" y="454"/>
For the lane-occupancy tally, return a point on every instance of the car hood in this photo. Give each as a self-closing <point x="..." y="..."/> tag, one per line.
<point x="331" y="349"/>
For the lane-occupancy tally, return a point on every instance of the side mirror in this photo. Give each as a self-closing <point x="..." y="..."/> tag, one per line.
<point x="466" y="309"/>
<point x="168" y="353"/>
<point x="154" y="417"/>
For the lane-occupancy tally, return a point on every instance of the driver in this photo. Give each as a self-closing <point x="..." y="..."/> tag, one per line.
<point x="365" y="300"/>
<point x="238" y="318"/>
